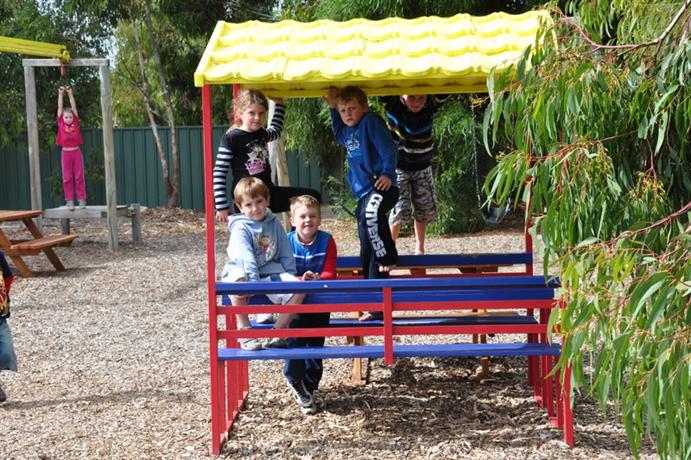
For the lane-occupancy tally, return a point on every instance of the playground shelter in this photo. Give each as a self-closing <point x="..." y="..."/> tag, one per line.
<point x="427" y="55"/>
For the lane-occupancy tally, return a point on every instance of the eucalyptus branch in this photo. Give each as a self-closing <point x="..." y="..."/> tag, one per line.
<point x="653" y="42"/>
<point x="571" y="147"/>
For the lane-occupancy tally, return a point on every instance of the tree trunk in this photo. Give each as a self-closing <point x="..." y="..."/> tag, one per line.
<point x="175" y="182"/>
<point x="150" y="112"/>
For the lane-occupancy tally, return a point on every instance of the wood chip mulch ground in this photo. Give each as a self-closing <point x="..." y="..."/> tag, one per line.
<point x="113" y="363"/>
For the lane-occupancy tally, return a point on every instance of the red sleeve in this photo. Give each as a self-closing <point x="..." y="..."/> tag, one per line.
<point x="329" y="271"/>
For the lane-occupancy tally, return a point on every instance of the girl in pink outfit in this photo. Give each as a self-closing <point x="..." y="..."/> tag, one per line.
<point x="70" y="138"/>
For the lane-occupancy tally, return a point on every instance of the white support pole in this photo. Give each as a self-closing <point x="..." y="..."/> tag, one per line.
<point x="109" y="157"/>
<point x="32" y="137"/>
<point x="279" y="164"/>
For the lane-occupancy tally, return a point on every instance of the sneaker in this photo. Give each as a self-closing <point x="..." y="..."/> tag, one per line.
<point x="82" y="204"/>
<point x="70" y="205"/>
<point x="309" y="410"/>
<point x="251" y="344"/>
<point x="3" y="395"/>
<point x="277" y="342"/>
<point x="301" y="395"/>
<point x="266" y="318"/>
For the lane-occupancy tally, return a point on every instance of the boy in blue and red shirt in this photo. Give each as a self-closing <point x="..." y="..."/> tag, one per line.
<point x="315" y="259"/>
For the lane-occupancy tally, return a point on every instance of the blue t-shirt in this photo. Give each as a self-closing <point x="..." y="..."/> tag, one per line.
<point x="371" y="151"/>
<point x="309" y="257"/>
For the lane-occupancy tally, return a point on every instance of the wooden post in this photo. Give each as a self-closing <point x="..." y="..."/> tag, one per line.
<point x="32" y="135"/>
<point x="279" y="164"/>
<point x="109" y="157"/>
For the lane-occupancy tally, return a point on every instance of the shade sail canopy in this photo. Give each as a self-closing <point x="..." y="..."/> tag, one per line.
<point x="393" y="56"/>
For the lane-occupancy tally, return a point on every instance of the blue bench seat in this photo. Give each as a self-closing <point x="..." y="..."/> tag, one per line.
<point x="399" y="351"/>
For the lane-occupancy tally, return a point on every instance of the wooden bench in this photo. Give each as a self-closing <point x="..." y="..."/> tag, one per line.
<point x="15" y="249"/>
<point x="33" y="247"/>
<point x="131" y="211"/>
<point x="396" y="295"/>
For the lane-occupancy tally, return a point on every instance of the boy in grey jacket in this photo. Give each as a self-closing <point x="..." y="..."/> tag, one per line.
<point x="258" y="249"/>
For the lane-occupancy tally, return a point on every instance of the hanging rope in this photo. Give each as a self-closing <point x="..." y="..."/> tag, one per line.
<point x="475" y="169"/>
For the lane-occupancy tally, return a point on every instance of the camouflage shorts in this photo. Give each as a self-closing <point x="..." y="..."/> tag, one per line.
<point x="417" y="199"/>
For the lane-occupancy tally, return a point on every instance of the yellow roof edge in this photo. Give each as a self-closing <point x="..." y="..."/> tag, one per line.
<point x="206" y="56"/>
<point x="384" y="91"/>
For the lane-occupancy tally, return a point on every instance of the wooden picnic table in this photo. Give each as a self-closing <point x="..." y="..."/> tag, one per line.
<point x="15" y="249"/>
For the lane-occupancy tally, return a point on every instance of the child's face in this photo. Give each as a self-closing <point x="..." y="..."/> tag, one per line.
<point x="254" y="208"/>
<point x="306" y="220"/>
<point x="414" y="102"/>
<point x="351" y="112"/>
<point x="253" y="118"/>
<point x="67" y="117"/>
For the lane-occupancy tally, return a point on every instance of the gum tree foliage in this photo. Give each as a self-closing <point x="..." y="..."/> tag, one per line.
<point x="39" y="21"/>
<point x="308" y="119"/>
<point x="158" y="46"/>
<point x="600" y="125"/>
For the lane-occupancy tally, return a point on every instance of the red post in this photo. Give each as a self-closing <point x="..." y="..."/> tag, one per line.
<point x="568" y="413"/>
<point x="387" y="299"/>
<point x="216" y="371"/>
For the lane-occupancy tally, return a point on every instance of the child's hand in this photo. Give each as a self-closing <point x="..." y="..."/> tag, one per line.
<point x="382" y="183"/>
<point x="222" y="215"/>
<point x="61" y="90"/>
<point x="68" y="88"/>
<point x="330" y="97"/>
<point x="310" y="276"/>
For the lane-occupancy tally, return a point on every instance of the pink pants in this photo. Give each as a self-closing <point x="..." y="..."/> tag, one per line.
<point x="73" y="168"/>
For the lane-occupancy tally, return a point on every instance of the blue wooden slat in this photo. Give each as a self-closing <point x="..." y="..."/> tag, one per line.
<point x="400" y="351"/>
<point x="502" y="282"/>
<point x="446" y="295"/>
<point x="446" y="260"/>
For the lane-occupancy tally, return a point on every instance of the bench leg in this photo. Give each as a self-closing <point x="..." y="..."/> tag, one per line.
<point x="21" y="266"/>
<point x="53" y="259"/>
<point x="135" y="209"/>
<point x="359" y="377"/>
<point x="484" y="360"/>
<point x="65" y="226"/>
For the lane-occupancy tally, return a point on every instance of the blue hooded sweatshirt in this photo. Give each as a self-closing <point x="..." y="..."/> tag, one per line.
<point x="371" y="151"/>
<point x="259" y="248"/>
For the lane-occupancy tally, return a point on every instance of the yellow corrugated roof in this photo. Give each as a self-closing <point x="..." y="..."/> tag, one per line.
<point x="391" y="56"/>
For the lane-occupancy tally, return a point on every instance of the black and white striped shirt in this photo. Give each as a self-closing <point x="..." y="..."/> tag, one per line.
<point x="245" y="154"/>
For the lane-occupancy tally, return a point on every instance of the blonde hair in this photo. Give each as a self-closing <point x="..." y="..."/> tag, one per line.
<point x="246" y="97"/>
<point x="250" y="187"/>
<point x="307" y="201"/>
<point x="352" y="93"/>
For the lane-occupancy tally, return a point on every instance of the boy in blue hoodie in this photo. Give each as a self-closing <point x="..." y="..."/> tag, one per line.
<point x="258" y="249"/>
<point x="372" y="157"/>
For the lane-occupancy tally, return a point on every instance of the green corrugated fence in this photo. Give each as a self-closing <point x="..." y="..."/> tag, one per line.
<point x="137" y="169"/>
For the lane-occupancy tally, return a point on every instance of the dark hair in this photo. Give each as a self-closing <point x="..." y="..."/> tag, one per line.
<point x="352" y="93"/>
